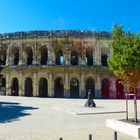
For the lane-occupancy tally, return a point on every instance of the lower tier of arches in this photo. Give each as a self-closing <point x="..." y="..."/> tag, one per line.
<point x="65" y="86"/>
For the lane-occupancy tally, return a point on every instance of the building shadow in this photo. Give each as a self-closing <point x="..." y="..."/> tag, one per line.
<point x="11" y="111"/>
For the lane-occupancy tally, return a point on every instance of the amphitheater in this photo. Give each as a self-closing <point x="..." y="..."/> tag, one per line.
<point x="59" y="64"/>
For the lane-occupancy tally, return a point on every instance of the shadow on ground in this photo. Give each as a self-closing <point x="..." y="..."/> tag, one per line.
<point x="11" y="111"/>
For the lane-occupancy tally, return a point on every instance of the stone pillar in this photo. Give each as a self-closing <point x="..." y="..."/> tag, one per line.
<point x="49" y="57"/>
<point x="66" y="87"/>
<point x="8" y="85"/>
<point x="53" y="57"/>
<point x="8" y="56"/>
<point x="98" y="85"/>
<point x="82" y="87"/>
<point x="20" y="56"/>
<point x="24" y="57"/>
<point x="34" y="54"/>
<point x="97" y="55"/>
<point x="21" y="93"/>
<point x="35" y="85"/>
<point x="50" y="86"/>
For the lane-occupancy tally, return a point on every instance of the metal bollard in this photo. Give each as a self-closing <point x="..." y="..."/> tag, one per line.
<point x="115" y="135"/>
<point x="61" y="139"/>
<point x="90" y="137"/>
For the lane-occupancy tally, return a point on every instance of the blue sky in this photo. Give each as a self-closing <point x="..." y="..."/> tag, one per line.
<point x="26" y="15"/>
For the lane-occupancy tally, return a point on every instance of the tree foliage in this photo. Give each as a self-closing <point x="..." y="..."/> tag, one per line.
<point x="125" y="59"/>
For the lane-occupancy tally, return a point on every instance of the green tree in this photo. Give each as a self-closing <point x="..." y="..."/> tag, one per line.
<point x="125" y="60"/>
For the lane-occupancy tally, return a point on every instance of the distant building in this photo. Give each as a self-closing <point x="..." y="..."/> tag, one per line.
<point x="60" y="64"/>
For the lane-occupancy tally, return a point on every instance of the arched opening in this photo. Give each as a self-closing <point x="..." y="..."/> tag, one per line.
<point x="43" y="87"/>
<point x="89" y="57"/>
<point x="74" y="88"/>
<point x="15" y="87"/>
<point x="29" y="53"/>
<point x="3" y="57"/>
<point x="105" y="89"/>
<point x="104" y="56"/>
<point x="119" y="90"/>
<point x="15" y="52"/>
<point x="44" y="56"/>
<point x="3" y="85"/>
<point x="104" y="60"/>
<point x="90" y="85"/>
<point x="58" y="88"/>
<point x="28" y="87"/>
<point x="59" y="59"/>
<point x="74" y="57"/>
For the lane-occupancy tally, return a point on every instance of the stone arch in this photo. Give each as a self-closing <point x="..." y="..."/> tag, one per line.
<point x="15" y="55"/>
<point x="74" y="57"/>
<point x="90" y="85"/>
<point x="43" y="87"/>
<point x="59" y="88"/>
<point x="28" y="86"/>
<point x="105" y="88"/>
<point x="119" y="90"/>
<point x="3" y="56"/>
<point x="74" y="88"/>
<point x="59" y="58"/>
<point x="29" y="56"/>
<point x="3" y="85"/>
<point x="43" y="55"/>
<point x="104" y="56"/>
<point x="15" y="87"/>
<point x="89" y="56"/>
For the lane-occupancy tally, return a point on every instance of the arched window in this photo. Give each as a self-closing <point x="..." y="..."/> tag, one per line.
<point x="15" y="53"/>
<point x="74" y="88"/>
<point x="29" y="55"/>
<point x="59" y="57"/>
<point x="14" y="87"/>
<point x="105" y="89"/>
<point x="89" y="56"/>
<point x="43" y="87"/>
<point x="3" y="56"/>
<point x="44" y="56"/>
<point x="28" y="87"/>
<point x="119" y="90"/>
<point x="90" y="85"/>
<point x="104" y="56"/>
<point x="74" y="57"/>
<point x="58" y="88"/>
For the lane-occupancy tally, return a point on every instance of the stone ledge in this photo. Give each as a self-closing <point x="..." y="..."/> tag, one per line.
<point x="125" y="127"/>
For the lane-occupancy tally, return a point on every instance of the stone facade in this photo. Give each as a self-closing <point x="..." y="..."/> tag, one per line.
<point x="32" y="66"/>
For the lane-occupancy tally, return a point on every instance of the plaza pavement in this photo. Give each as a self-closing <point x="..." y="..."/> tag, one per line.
<point x="25" y="118"/>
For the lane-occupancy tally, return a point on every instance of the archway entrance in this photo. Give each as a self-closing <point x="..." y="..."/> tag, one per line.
<point x="74" y="88"/>
<point x="3" y="56"/>
<point x="74" y="58"/>
<point x="59" y="57"/>
<point x="104" y="60"/>
<point x="43" y="87"/>
<point x="89" y="56"/>
<point x="119" y="90"/>
<point x="15" y="87"/>
<point x="15" y="56"/>
<point x="105" y="89"/>
<point x="90" y="85"/>
<point x="3" y="85"/>
<point x="58" y="88"/>
<point x="44" y="56"/>
<point x="28" y="87"/>
<point x="29" y="56"/>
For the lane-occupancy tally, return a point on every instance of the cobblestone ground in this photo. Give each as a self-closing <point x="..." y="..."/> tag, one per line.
<point x="24" y="118"/>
